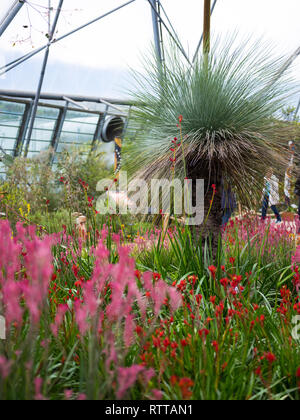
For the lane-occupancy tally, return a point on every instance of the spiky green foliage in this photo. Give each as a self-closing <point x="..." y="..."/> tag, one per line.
<point x="229" y="101"/>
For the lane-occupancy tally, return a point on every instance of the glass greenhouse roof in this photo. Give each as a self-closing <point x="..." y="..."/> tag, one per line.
<point x="58" y="124"/>
<point x="94" y="62"/>
<point x="104" y="51"/>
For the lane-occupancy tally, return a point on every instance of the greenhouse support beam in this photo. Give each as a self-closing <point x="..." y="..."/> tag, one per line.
<point x="105" y="102"/>
<point x="60" y="97"/>
<point x="155" y="23"/>
<point x="5" y="69"/>
<point x="58" y="129"/>
<point x="99" y="128"/>
<point x="23" y="130"/>
<point x="126" y="123"/>
<point x="181" y="49"/>
<point x="42" y="76"/>
<point x="286" y="65"/>
<point x="11" y="14"/>
<point x="66" y="98"/>
<point x="170" y="23"/>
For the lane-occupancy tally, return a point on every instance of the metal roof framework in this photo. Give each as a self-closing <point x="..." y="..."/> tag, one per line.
<point x="61" y="121"/>
<point x="10" y="15"/>
<point x="30" y="116"/>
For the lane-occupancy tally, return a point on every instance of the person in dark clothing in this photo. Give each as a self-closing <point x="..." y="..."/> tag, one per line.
<point x="297" y="192"/>
<point x="228" y="202"/>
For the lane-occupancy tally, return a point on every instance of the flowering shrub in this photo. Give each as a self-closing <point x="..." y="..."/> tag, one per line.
<point x="102" y="309"/>
<point x="88" y="321"/>
<point x="268" y="239"/>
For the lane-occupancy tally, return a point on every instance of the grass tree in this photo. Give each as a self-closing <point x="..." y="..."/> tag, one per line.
<point x="229" y="101"/>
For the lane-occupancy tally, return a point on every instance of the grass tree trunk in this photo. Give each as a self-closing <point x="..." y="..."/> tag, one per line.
<point x="210" y="230"/>
<point x="206" y="27"/>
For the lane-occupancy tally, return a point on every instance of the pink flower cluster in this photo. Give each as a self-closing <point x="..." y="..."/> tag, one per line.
<point x="25" y="271"/>
<point x="106" y="307"/>
<point x="264" y="236"/>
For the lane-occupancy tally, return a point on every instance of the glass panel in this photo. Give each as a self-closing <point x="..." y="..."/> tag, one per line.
<point x="11" y="115"/>
<point x="83" y="117"/>
<point x="33" y="153"/>
<point x="78" y="129"/>
<point x="43" y="129"/>
<point x="2" y="171"/>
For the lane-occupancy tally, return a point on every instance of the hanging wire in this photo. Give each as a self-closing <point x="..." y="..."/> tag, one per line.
<point x="170" y="23"/>
<point x="15" y="63"/>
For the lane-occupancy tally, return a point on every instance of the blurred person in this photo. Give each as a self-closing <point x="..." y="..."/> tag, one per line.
<point x="297" y="193"/>
<point x="80" y="225"/>
<point x="228" y="202"/>
<point x="287" y="186"/>
<point x="291" y="152"/>
<point x="289" y="173"/>
<point x="270" y="195"/>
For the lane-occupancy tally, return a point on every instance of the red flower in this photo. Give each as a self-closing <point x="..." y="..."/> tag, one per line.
<point x="180" y="118"/>
<point x="173" y="380"/>
<point x="156" y="276"/>
<point x="174" y="345"/>
<point x="184" y="343"/>
<point x="224" y="366"/>
<point x="270" y="357"/>
<point x="185" y="384"/>
<point x="139" y="330"/>
<point x="212" y="299"/>
<point x="212" y="270"/>
<point x="173" y="354"/>
<point x="202" y="332"/>
<point x="258" y="371"/>
<point x="215" y="345"/>
<point x="198" y="298"/>
<point x="156" y="342"/>
<point x="298" y="372"/>
<point x="78" y="283"/>
<point x="224" y="282"/>
<point x="166" y="342"/>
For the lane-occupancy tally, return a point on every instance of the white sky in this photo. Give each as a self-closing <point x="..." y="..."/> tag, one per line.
<point x="120" y="39"/>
